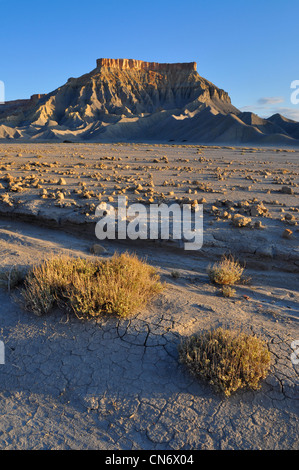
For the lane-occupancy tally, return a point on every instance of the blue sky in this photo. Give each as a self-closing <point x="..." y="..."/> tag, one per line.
<point x="250" y="49"/>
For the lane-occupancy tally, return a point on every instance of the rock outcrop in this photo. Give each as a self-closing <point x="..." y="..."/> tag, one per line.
<point x="127" y="99"/>
<point x="132" y="64"/>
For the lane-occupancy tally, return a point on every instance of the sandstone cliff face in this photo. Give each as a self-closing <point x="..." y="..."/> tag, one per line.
<point x="132" y="64"/>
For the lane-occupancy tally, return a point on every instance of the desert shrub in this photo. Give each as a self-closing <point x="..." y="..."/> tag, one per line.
<point x="228" y="291"/>
<point x="226" y="359"/>
<point x="119" y="285"/>
<point x="226" y="272"/>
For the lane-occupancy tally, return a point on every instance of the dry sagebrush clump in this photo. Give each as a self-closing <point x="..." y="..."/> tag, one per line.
<point x="228" y="360"/>
<point x="119" y="285"/>
<point x="226" y="272"/>
<point x="228" y="291"/>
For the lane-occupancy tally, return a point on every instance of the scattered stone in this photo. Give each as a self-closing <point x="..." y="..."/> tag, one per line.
<point x="240" y="220"/>
<point x="287" y="233"/>
<point x="59" y="196"/>
<point x="290" y="219"/>
<point x="6" y="199"/>
<point x="287" y="190"/>
<point x="97" y="249"/>
<point x="258" y="210"/>
<point x="258" y="224"/>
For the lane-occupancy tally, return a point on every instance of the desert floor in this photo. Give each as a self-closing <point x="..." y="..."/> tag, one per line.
<point x="117" y="384"/>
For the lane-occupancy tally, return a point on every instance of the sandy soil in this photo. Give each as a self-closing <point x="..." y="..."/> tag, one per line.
<point x="117" y="384"/>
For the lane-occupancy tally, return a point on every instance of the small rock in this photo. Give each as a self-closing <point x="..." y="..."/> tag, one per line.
<point x="60" y="196"/>
<point x="97" y="249"/>
<point x="258" y="210"/>
<point x="287" y="233"/>
<point x="241" y="221"/>
<point x="258" y="224"/>
<point x="289" y="217"/>
<point x="286" y="190"/>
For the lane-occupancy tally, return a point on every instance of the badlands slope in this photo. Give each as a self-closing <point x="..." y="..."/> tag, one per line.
<point x="132" y="100"/>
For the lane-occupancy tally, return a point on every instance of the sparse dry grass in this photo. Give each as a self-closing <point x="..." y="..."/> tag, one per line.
<point x="228" y="360"/>
<point x="119" y="285"/>
<point x="226" y="272"/>
<point x="12" y="277"/>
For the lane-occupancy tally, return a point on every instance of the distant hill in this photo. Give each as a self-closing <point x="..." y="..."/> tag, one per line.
<point x="132" y="100"/>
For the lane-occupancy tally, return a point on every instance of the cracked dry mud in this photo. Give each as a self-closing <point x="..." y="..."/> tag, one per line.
<point x="118" y="384"/>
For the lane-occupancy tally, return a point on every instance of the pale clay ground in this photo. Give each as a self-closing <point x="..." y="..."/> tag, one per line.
<point x="117" y="384"/>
